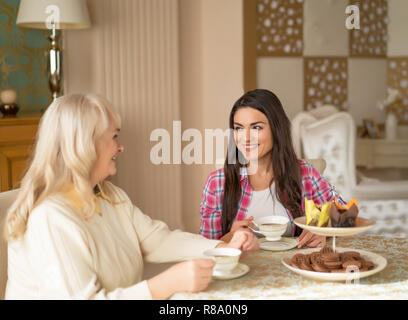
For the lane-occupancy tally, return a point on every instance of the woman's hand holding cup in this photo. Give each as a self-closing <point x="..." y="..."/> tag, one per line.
<point x="242" y="239"/>
<point x="242" y="224"/>
<point x="191" y="276"/>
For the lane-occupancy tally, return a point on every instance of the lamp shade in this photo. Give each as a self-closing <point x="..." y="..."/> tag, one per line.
<point x="67" y="14"/>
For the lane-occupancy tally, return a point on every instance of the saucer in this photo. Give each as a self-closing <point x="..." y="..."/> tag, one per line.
<point x="240" y="270"/>
<point x="282" y="245"/>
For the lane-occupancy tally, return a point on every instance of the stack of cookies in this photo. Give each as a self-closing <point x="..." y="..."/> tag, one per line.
<point x="326" y="260"/>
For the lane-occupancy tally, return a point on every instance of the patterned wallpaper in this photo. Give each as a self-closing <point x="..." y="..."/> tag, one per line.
<point x="22" y="60"/>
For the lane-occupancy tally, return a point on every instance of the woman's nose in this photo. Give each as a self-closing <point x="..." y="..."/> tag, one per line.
<point x="254" y="136"/>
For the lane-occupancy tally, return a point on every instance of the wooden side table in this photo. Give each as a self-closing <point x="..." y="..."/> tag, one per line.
<point x="382" y="153"/>
<point x="16" y="140"/>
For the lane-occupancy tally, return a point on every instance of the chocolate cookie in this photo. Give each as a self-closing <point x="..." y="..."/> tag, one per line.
<point x="351" y="263"/>
<point x="330" y="257"/>
<point x="304" y="265"/>
<point x="296" y="259"/>
<point x="333" y="264"/>
<point x="318" y="267"/>
<point x="316" y="258"/>
<point x="326" y="250"/>
<point x="367" y="264"/>
<point x="353" y="254"/>
<point x="346" y="257"/>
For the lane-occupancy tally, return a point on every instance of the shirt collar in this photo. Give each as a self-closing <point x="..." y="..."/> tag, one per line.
<point x="72" y="196"/>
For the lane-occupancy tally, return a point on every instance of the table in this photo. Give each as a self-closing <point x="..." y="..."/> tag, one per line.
<point x="382" y="153"/>
<point x="268" y="278"/>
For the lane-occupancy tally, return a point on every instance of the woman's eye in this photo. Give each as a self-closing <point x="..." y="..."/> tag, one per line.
<point x="238" y="128"/>
<point x="258" y="128"/>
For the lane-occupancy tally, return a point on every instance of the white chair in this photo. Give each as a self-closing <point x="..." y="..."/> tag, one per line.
<point x="6" y="199"/>
<point x="333" y="139"/>
<point x="306" y="117"/>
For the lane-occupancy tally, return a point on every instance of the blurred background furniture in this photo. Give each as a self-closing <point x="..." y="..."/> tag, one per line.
<point x="6" y="199"/>
<point x="307" y="117"/>
<point x="16" y="138"/>
<point x="382" y="153"/>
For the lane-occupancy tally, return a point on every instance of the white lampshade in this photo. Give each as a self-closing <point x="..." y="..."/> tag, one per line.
<point x="73" y="14"/>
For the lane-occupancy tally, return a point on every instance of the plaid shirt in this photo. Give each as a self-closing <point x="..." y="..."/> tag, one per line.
<point x="314" y="187"/>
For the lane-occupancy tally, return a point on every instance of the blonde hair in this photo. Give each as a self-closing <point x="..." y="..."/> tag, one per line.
<point x="64" y="153"/>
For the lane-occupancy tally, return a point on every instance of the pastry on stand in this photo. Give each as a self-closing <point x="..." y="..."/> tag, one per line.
<point x="332" y="219"/>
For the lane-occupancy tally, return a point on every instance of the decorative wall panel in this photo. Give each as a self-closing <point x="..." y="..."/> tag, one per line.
<point x="398" y="79"/>
<point x="280" y="27"/>
<point x="371" y="39"/>
<point x="325" y="82"/>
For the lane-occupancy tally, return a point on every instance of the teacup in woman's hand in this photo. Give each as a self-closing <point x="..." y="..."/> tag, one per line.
<point x="272" y="227"/>
<point x="226" y="259"/>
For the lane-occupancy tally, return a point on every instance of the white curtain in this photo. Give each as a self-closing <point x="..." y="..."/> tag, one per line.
<point x="131" y="56"/>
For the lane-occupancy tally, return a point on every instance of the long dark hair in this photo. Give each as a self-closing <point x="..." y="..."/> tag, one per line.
<point x="286" y="168"/>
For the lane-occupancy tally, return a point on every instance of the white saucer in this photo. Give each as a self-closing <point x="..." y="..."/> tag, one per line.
<point x="282" y="245"/>
<point x="240" y="270"/>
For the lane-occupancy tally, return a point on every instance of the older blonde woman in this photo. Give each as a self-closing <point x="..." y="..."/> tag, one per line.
<point x="74" y="235"/>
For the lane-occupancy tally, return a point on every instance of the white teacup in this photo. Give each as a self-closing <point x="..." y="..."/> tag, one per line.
<point x="226" y="259"/>
<point x="272" y="227"/>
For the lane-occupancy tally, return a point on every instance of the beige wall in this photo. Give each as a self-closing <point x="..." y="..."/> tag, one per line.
<point x="284" y="77"/>
<point x="211" y="52"/>
<point x="159" y="61"/>
<point x="397" y="28"/>
<point x="324" y="32"/>
<point x="367" y="83"/>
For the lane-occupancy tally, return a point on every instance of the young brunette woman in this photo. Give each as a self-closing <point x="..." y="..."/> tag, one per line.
<point x="262" y="175"/>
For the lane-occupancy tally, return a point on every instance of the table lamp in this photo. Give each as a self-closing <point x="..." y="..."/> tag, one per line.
<point x="53" y="15"/>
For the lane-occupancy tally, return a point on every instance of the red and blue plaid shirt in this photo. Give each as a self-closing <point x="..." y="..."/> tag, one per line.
<point x="314" y="187"/>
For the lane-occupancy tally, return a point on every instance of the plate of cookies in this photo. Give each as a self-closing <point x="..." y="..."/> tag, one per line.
<point x="342" y="265"/>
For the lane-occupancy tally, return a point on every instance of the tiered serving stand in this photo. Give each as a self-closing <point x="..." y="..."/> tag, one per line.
<point x="361" y="225"/>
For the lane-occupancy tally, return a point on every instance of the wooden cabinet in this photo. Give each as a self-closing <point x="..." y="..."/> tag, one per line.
<point x="381" y="153"/>
<point x="16" y="141"/>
